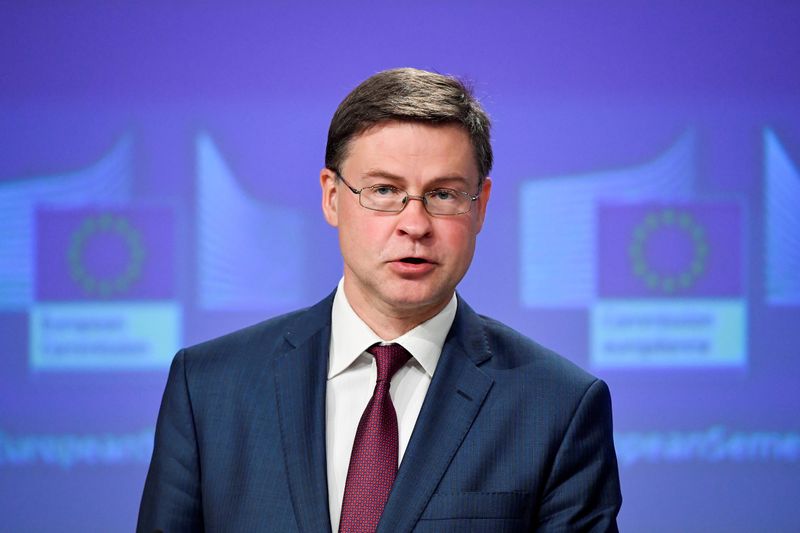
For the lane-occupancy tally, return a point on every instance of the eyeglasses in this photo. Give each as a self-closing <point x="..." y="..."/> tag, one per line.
<point x="390" y="199"/>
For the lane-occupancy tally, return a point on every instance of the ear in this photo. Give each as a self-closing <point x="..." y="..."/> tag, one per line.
<point x="483" y="199"/>
<point x="327" y="180"/>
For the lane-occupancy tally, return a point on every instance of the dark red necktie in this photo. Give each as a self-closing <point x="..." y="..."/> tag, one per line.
<point x="373" y="461"/>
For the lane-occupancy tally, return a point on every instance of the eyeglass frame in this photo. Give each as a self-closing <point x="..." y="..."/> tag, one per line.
<point x="472" y="197"/>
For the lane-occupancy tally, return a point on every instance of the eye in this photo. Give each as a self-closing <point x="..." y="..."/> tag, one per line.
<point x="384" y="190"/>
<point x="443" y="195"/>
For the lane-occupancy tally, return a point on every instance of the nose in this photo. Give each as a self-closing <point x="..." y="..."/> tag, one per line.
<point x="414" y="219"/>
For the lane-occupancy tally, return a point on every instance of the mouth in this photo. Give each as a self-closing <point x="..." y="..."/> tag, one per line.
<point x="414" y="260"/>
<point x="413" y="266"/>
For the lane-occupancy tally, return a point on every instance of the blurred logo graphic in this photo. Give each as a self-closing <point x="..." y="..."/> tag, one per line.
<point x="659" y="269"/>
<point x="670" y="287"/>
<point x="106" y="182"/>
<point x="251" y="255"/>
<point x="656" y="227"/>
<point x="781" y="224"/>
<point x="559" y="226"/>
<point x="105" y="254"/>
<point x="669" y="250"/>
<point x="111" y="231"/>
<point x="105" y="289"/>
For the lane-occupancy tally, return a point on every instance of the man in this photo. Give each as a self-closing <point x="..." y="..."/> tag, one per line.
<point x="299" y="423"/>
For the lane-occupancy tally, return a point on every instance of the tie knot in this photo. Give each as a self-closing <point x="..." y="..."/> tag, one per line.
<point x="389" y="358"/>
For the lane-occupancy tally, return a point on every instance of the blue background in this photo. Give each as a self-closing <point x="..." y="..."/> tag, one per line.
<point x="219" y="113"/>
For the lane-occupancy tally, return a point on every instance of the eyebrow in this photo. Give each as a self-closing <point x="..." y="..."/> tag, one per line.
<point x="437" y="181"/>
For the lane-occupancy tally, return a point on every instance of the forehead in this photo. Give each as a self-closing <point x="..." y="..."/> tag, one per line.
<point x="412" y="151"/>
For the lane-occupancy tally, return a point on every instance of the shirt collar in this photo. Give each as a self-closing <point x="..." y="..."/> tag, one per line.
<point x="350" y="336"/>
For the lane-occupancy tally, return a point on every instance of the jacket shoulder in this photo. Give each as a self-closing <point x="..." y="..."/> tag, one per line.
<point x="259" y="341"/>
<point x="511" y="349"/>
<point x="254" y="334"/>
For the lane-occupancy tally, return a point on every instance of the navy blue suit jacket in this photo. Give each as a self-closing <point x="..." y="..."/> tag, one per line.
<point x="511" y="437"/>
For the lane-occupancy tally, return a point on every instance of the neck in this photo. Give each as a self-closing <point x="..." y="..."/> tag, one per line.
<point x="389" y="322"/>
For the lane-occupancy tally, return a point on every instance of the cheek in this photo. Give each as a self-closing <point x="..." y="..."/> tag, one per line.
<point x="365" y="233"/>
<point x="460" y="240"/>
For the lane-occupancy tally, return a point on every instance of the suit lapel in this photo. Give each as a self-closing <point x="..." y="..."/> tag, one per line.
<point x="454" y="399"/>
<point x="300" y="380"/>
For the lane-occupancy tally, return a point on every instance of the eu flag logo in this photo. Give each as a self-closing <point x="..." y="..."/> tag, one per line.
<point x="105" y="289"/>
<point x="670" y="250"/>
<point x="670" y="286"/>
<point x="105" y="254"/>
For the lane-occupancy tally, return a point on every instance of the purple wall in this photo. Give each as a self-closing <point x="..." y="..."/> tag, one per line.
<point x="158" y="186"/>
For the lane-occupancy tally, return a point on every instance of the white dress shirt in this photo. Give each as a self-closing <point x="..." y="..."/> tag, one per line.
<point x="351" y="381"/>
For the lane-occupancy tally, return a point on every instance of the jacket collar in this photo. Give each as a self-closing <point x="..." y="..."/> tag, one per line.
<point x="300" y="378"/>
<point x="454" y="398"/>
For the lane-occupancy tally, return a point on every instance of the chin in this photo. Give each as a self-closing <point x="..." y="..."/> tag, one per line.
<point x="410" y="299"/>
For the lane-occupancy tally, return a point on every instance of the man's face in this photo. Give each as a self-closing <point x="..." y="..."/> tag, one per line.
<point x="407" y="264"/>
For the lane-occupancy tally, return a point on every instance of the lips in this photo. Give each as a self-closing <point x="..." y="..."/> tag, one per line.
<point x="413" y="266"/>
